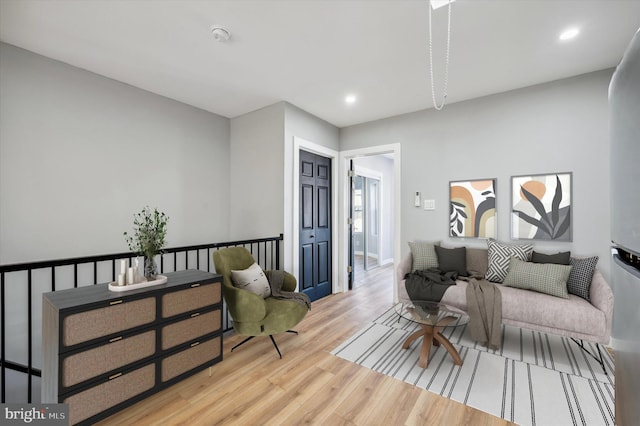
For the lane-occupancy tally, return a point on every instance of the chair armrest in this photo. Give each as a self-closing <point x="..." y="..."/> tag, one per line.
<point x="244" y="306"/>
<point x="290" y="282"/>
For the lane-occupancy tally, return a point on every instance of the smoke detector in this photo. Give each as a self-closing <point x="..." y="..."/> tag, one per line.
<point x="220" y="34"/>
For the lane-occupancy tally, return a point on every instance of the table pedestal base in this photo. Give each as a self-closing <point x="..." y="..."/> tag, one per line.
<point x="431" y="335"/>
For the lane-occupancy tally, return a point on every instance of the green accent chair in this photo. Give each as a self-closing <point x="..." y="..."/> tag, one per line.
<point x="252" y="315"/>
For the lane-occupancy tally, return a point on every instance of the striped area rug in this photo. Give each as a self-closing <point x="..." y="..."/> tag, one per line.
<point x="533" y="379"/>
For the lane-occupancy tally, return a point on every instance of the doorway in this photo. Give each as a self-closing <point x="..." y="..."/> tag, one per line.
<point x="366" y="222"/>
<point x="372" y="217"/>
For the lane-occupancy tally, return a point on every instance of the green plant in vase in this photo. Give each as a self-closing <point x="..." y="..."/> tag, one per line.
<point x="148" y="238"/>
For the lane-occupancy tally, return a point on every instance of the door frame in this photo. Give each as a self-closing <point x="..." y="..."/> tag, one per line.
<point x="345" y="188"/>
<point x="291" y="217"/>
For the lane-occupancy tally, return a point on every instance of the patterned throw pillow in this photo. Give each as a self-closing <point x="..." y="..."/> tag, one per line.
<point x="423" y="254"/>
<point x="579" y="282"/>
<point x="500" y="257"/>
<point x="252" y="279"/>
<point x="546" y="278"/>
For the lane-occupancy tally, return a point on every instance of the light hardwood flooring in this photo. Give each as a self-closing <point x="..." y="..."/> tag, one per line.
<point x="308" y="385"/>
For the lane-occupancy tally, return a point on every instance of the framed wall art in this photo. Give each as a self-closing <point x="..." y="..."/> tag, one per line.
<point x="472" y="208"/>
<point x="541" y="207"/>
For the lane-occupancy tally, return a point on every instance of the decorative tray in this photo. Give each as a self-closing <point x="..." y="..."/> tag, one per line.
<point x="160" y="279"/>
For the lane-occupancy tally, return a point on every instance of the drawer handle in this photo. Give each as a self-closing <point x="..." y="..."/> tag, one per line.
<point x="195" y="315"/>
<point x="115" y="302"/>
<point x="115" y="339"/>
<point x="195" y="344"/>
<point x="115" y="376"/>
<point x="195" y="285"/>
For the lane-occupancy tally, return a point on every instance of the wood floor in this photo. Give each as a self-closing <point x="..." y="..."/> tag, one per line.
<point x="308" y="385"/>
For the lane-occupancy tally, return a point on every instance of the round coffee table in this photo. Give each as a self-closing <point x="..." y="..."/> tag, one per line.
<point x="432" y="317"/>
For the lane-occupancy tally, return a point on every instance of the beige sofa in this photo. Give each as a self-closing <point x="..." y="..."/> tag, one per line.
<point x="574" y="317"/>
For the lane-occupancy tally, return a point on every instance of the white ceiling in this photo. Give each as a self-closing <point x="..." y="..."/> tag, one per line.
<point x="313" y="53"/>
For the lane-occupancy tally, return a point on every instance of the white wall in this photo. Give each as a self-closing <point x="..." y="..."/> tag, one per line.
<point x="81" y="153"/>
<point x="555" y="127"/>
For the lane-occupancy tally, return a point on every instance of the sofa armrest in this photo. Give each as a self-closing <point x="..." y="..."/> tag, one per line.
<point x="602" y="297"/>
<point x="404" y="267"/>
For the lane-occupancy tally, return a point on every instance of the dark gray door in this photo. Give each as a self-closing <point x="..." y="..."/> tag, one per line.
<point x="315" y="225"/>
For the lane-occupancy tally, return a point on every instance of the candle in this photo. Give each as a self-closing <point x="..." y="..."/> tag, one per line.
<point x="121" y="279"/>
<point x="123" y="266"/>
<point x="131" y="277"/>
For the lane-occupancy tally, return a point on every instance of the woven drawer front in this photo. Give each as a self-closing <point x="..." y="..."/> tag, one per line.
<point x="190" y="329"/>
<point x="179" y="302"/>
<point x="110" y="356"/>
<point x="97" y="399"/>
<point x="184" y="361"/>
<point x="84" y="326"/>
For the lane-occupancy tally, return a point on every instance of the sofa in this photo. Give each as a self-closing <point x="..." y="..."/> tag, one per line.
<point x="587" y="317"/>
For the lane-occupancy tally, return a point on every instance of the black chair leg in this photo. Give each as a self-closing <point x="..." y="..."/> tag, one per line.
<point x="274" y="344"/>
<point x="243" y="342"/>
<point x="292" y="331"/>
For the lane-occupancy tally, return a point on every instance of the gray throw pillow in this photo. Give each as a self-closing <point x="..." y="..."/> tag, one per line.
<point x="579" y="282"/>
<point x="423" y="254"/>
<point x="452" y="260"/>
<point x="477" y="261"/>
<point x="500" y="256"/>
<point x="561" y="258"/>
<point x="548" y="278"/>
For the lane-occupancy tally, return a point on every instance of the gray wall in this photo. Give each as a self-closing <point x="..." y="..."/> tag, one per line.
<point x="81" y="153"/>
<point x="555" y="127"/>
<point x="256" y="173"/>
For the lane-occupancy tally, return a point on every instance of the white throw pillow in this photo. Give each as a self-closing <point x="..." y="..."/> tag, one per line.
<point x="252" y="279"/>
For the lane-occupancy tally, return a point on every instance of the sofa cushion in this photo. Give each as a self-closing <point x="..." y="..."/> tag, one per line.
<point x="579" y="282"/>
<point x="252" y="279"/>
<point x="452" y="259"/>
<point x="561" y="258"/>
<point x="500" y="254"/>
<point x="423" y="254"/>
<point x="545" y="278"/>
<point x="477" y="261"/>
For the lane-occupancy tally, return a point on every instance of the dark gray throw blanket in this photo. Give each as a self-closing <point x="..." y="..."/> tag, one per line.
<point x="429" y="284"/>
<point x="484" y="306"/>
<point x="276" y="280"/>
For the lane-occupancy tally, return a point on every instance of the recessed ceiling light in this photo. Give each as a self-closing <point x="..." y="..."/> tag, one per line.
<point x="435" y="4"/>
<point x="569" y="34"/>
<point x="350" y="99"/>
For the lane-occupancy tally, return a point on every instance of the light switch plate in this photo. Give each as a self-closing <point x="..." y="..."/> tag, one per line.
<point x="429" y="204"/>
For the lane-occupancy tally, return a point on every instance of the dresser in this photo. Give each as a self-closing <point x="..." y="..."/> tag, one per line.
<point x="103" y="351"/>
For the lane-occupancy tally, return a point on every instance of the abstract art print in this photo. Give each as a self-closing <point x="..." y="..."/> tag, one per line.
<point x="472" y="208"/>
<point x="541" y="207"/>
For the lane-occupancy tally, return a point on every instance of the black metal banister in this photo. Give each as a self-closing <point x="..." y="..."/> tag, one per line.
<point x="268" y="259"/>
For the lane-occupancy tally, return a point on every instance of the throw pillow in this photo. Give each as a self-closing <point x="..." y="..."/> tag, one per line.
<point x="579" y="282"/>
<point x="500" y="255"/>
<point x="252" y="279"/>
<point x="452" y="260"/>
<point x="477" y="261"/>
<point x="546" y="278"/>
<point x="561" y="258"/>
<point x="423" y="254"/>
